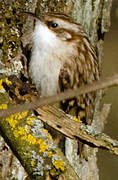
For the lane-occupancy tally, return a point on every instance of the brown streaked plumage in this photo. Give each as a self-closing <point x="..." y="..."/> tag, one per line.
<point x="63" y="58"/>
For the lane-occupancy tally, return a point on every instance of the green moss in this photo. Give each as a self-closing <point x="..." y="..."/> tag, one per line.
<point x="11" y="23"/>
<point x="50" y="6"/>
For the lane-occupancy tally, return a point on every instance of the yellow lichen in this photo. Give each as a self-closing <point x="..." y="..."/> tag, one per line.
<point x="13" y="119"/>
<point x="29" y="119"/>
<point x="1" y="86"/>
<point x="43" y="147"/>
<point x="19" y="132"/>
<point x="15" y="132"/>
<point x="24" y="137"/>
<point x="42" y="144"/>
<point x="8" y="82"/>
<point x="21" y="115"/>
<point x="77" y="119"/>
<point x="45" y="130"/>
<point x="32" y="163"/>
<point x="59" y="164"/>
<point x="31" y="139"/>
<point x="3" y="106"/>
<point x="29" y="122"/>
<point x="40" y="141"/>
<point x="50" y="154"/>
<point x="12" y="122"/>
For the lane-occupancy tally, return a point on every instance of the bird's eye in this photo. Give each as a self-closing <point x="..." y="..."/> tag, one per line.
<point x="52" y="24"/>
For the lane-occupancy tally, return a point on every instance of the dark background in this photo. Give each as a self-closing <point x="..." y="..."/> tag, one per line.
<point x="108" y="163"/>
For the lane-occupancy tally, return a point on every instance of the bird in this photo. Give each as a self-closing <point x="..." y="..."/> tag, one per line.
<point x="63" y="58"/>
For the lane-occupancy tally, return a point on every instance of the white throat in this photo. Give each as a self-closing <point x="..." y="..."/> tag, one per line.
<point x="44" y="65"/>
<point x="44" y="38"/>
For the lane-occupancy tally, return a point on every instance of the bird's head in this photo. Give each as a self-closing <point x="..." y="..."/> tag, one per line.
<point x="52" y="29"/>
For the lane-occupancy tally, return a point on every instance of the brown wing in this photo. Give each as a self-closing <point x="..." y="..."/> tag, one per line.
<point x="82" y="70"/>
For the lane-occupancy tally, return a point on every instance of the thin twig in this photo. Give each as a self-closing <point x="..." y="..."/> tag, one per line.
<point x="107" y="82"/>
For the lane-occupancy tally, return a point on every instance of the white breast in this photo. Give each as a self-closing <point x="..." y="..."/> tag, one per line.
<point x="44" y="66"/>
<point x="45" y="73"/>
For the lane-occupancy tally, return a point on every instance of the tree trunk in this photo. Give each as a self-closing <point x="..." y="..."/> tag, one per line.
<point x="16" y="37"/>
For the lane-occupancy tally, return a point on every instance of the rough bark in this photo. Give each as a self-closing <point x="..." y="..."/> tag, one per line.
<point x="94" y="15"/>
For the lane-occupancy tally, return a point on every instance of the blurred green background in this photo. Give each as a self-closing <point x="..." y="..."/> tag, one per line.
<point x="108" y="163"/>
